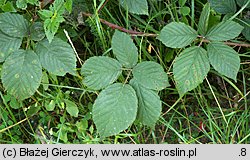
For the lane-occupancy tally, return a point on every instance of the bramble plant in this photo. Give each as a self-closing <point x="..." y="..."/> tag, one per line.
<point x="118" y="104"/>
<point x="127" y="86"/>
<point x="193" y="64"/>
<point x="190" y="69"/>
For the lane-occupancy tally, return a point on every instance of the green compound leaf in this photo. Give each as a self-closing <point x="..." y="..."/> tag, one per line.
<point x="71" y="108"/>
<point x="223" y="6"/>
<point x="177" y="35"/>
<point x="99" y="72"/>
<point x="150" y="75"/>
<point x="224" y="59"/>
<point x="57" y="57"/>
<point x="204" y="18"/>
<point x="190" y="69"/>
<point x="13" y="25"/>
<point x="135" y="6"/>
<point x="22" y="74"/>
<point x="8" y="45"/>
<point x="149" y="104"/>
<point x="224" y="31"/>
<point x="115" y="109"/>
<point x="124" y="49"/>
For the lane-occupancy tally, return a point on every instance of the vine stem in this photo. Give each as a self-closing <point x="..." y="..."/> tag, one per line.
<point x="228" y="43"/>
<point x="136" y="33"/>
<point x="114" y="26"/>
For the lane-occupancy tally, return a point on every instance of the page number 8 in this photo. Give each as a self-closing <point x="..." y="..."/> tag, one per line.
<point x="243" y="152"/>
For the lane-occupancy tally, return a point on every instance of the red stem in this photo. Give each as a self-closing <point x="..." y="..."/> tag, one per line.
<point x="136" y="33"/>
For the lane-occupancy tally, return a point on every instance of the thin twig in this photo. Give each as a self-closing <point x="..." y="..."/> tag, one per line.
<point x="244" y="96"/>
<point x="114" y="26"/>
<point x="129" y="73"/>
<point x="9" y="127"/>
<point x="72" y="45"/>
<point x="202" y="40"/>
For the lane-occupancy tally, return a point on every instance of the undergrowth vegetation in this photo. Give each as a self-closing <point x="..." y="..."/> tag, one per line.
<point x="125" y="71"/>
